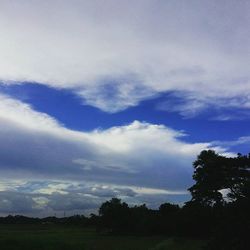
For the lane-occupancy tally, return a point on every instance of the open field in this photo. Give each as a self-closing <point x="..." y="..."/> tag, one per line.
<point x="41" y="237"/>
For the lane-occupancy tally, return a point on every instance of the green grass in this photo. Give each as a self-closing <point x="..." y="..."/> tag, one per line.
<point x="180" y="244"/>
<point x="49" y="237"/>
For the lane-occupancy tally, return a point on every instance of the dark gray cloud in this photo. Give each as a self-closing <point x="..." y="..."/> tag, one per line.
<point x="16" y="202"/>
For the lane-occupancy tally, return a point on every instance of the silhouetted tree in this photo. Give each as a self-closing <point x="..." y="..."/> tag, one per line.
<point x="240" y="178"/>
<point x="168" y="217"/>
<point x="214" y="172"/>
<point x="168" y="209"/>
<point x="210" y="176"/>
<point x="115" y="215"/>
<point x="227" y="221"/>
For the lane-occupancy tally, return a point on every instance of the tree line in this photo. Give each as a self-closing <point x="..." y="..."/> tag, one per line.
<point x="219" y="210"/>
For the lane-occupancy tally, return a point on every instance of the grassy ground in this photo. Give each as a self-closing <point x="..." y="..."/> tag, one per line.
<point x="33" y="237"/>
<point x="180" y="244"/>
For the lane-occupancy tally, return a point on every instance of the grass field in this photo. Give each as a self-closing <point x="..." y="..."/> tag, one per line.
<point x="34" y="237"/>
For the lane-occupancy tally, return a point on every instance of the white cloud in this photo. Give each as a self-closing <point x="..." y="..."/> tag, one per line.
<point x="137" y="48"/>
<point x="21" y="114"/>
<point x="34" y="143"/>
<point x="243" y="141"/>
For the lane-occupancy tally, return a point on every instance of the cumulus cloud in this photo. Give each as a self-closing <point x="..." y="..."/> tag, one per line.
<point x="115" y="53"/>
<point x="127" y="154"/>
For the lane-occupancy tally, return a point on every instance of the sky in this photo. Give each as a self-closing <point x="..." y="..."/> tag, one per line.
<point x="107" y="98"/>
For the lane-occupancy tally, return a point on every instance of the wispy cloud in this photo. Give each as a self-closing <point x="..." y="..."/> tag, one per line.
<point x="190" y="104"/>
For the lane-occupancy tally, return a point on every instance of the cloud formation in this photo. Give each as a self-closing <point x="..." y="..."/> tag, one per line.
<point x="115" y="53"/>
<point x="133" y="150"/>
<point x="136" y="160"/>
<point x="44" y="198"/>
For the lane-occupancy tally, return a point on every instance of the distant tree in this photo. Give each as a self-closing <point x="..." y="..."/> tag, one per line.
<point x="168" y="209"/>
<point x="113" y="207"/>
<point x="168" y="217"/>
<point x="115" y="215"/>
<point x="143" y="220"/>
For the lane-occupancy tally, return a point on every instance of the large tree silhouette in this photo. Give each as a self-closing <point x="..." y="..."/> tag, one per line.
<point x="210" y="175"/>
<point x="215" y="174"/>
<point x="227" y="220"/>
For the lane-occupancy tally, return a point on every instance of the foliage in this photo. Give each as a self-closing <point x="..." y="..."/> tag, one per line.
<point x="214" y="173"/>
<point x="228" y="223"/>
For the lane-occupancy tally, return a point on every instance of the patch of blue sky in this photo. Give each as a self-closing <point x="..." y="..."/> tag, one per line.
<point x="211" y="124"/>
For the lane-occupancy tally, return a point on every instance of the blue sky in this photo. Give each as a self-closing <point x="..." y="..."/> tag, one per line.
<point x="115" y="98"/>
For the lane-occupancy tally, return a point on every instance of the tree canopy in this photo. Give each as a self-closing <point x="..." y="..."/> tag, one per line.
<point x="216" y="175"/>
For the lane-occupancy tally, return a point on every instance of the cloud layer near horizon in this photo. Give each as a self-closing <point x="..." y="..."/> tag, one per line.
<point x="122" y="52"/>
